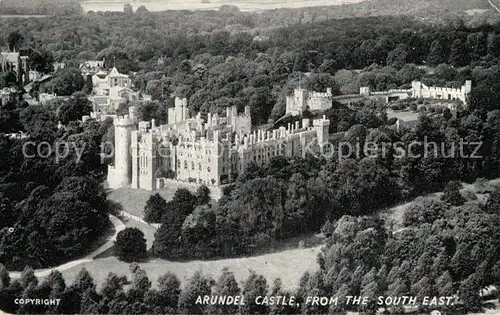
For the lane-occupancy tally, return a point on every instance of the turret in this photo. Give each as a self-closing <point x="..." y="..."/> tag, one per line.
<point x="322" y="130"/>
<point x="181" y="109"/>
<point x="119" y="175"/>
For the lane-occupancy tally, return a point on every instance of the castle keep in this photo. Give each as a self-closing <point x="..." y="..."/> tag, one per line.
<point x="211" y="151"/>
<point x="302" y="99"/>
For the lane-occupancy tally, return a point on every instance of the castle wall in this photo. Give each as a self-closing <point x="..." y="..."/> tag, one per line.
<point x="420" y="90"/>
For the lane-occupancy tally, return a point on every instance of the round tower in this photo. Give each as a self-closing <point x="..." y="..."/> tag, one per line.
<point x="120" y="174"/>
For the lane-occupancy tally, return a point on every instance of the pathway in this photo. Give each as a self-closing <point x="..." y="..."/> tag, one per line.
<point x="118" y="225"/>
<point x="495" y="4"/>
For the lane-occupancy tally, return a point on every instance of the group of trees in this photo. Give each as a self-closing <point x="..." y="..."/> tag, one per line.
<point x="53" y="206"/>
<point x="204" y="55"/>
<point x="448" y="251"/>
<point x="444" y="251"/>
<point x="293" y="196"/>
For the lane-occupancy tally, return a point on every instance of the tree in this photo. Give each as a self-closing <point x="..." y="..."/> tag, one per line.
<point x="14" y="40"/>
<point x="203" y="195"/>
<point x="4" y="278"/>
<point x="39" y="122"/>
<point x="112" y="285"/>
<point x="197" y="286"/>
<point x="170" y="288"/>
<point x="28" y="277"/>
<point x="56" y="283"/>
<point x="89" y="85"/>
<point x="155" y="208"/>
<point x="397" y="57"/>
<point x="255" y="285"/>
<point x="67" y="81"/>
<point x="469" y="292"/>
<point x="83" y="282"/>
<point x="74" y="108"/>
<point x="458" y="54"/>
<point x="41" y="61"/>
<point x="437" y="53"/>
<point x="451" y="195"/>
<point x="140" y="284"/>
<point x="130" y="245"/>
<point x="226" y="285"/>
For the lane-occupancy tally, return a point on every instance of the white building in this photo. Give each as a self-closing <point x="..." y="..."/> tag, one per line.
<point x="110" y="90"/>
<point x="420" y="90"/>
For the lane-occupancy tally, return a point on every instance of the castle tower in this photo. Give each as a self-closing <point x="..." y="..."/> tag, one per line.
<point x="181" y="109"/>
<point x="416" y="87"/>
<point x="120" y="174"/>
<point x="147" y="161"/>
<point x="322" y="130"/>
<point x="24" y="72"/>
<point x="467" y="87"/>
<point x="296" y="103"/>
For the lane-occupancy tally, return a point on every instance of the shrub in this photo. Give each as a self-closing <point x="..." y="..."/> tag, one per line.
<point x="130" y="245"/>
<point x="469" y="195"/>
<point x="482" y="186"/>
<point x="452" y="194"/>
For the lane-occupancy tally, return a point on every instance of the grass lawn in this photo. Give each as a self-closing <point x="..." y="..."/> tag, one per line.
<point x="134" y="200"/>
<point x="403" y="115"/>
<point x="288" y="265"/>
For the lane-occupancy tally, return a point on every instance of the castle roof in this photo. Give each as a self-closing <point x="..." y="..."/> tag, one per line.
<point x="114" y="73"/>
<point x="10" y="56"/>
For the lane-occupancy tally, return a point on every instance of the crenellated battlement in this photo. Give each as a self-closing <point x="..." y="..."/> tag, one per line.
<point x="302" y="99"/>
<point x="124" y="121"/>
<point x="420" y="90"/>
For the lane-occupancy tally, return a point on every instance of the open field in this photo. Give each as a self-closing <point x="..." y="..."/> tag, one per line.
<point x="244" y="5"/>
<point x="288" y="265"/>
<point x="403" y="115"/>
<point x="134" y="200"/>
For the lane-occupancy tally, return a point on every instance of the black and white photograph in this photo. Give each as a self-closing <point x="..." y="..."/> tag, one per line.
<point x="250" y="157"/>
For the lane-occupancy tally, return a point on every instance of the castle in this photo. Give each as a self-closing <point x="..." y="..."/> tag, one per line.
<point x="193" y="150"/>
<point x="420" y="90"/>
<point x="303" y="99"/>
<point x="13" y="61"/>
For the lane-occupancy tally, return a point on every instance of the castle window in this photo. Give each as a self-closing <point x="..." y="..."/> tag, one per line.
<point x="208" y="169"/>
<point x="199" y="167"/>
<point x="185" y="165"/>
<point x="192" y="166"/>
<point x="179" y="163"/>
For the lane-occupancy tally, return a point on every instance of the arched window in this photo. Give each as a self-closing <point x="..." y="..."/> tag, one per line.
<point x="208" y="169"/>
<point x="185" y="165"/>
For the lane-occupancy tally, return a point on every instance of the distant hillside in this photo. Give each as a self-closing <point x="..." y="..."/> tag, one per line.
<point x="243" y="5"/>
<point x="39" y="6"/>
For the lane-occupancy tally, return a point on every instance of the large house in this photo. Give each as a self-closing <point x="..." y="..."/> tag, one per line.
<point x="110" y="90"/>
